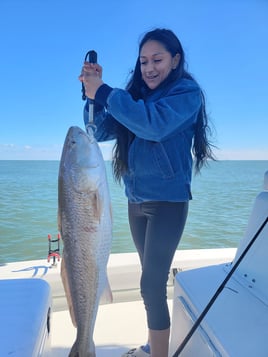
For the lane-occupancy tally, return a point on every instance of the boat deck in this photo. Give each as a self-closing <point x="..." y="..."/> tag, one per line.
<point x="119" y="327"/>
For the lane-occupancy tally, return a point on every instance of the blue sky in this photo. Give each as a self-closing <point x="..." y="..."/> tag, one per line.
<point x="43" y="44"/>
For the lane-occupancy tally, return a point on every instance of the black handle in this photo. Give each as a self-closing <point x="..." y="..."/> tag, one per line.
<point x="90" y="57"/>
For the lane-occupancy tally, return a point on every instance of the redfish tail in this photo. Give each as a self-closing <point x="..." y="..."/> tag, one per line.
<point x="76" y="352"/>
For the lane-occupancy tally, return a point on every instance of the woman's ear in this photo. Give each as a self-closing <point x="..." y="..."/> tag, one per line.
<point x="176" y="60"/>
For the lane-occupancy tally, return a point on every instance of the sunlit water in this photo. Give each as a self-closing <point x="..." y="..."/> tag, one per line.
<point x="223" y="196"/>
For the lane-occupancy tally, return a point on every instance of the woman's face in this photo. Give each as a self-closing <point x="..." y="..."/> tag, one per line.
<point x="156" y="63"/>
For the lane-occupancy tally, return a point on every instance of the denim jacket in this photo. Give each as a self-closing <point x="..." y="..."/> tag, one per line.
<point x="159" y="157"/>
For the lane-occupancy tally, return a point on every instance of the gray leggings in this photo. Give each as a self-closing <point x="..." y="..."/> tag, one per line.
<point x="156" y="228"/>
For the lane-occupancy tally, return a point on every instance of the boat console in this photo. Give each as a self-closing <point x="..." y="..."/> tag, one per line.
<point x="236" y="324"/>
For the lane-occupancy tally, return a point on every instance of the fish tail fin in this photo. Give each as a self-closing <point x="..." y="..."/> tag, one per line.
<point x="76" y="353"/>
<point x="65" y="282"/>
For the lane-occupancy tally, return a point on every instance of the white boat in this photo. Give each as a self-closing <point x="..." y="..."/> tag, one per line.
<point x="35" y="320"/>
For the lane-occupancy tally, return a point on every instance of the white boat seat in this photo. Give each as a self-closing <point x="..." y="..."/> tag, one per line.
<point x="253" y="269"/>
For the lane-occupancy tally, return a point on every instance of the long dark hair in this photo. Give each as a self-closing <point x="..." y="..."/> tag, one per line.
<point x="202" y="148"/>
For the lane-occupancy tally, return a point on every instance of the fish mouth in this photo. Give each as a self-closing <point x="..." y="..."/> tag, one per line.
<point x="75" y="133"/>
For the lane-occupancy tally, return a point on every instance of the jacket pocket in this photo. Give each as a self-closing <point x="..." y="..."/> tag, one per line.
<point x="162" y="160"/>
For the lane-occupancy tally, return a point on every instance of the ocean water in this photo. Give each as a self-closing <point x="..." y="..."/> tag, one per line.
<point x="223" y="197"/>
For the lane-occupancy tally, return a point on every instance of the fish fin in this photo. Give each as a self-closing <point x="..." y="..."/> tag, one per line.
<point x="65" y="282"/>
<point x="107" y="295"/>
<point x="98" y="207"/>
<point x="111" y="212"/>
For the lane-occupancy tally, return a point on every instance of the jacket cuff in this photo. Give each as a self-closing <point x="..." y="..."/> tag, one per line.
<point x="102" y="94"/>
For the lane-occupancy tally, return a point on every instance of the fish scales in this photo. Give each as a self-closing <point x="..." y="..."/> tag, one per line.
<point x="85" y="223"/>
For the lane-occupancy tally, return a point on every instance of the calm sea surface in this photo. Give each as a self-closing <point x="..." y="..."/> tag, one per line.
<point x="223" y="196"/>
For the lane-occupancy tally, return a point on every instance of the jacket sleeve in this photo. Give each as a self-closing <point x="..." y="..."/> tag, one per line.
<point x="160" y="118"/>
<point x="103" y="121"/>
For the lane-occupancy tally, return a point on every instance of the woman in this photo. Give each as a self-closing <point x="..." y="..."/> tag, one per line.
<point x="159" y="122"/>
